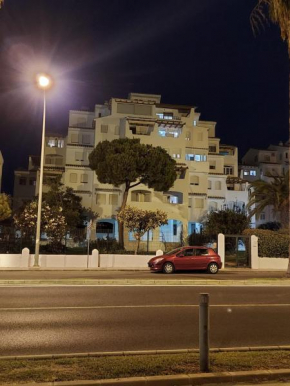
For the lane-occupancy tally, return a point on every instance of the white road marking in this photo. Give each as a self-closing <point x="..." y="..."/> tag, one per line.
<point x="141" y="306"/>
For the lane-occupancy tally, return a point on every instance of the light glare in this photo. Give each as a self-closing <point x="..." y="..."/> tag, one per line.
<point x="43" y="81"/>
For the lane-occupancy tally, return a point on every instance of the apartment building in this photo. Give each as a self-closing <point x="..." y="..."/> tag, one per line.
<point x="207" y="169"/>
<point x="260" y="164"/>
<point x="26" y="181"/>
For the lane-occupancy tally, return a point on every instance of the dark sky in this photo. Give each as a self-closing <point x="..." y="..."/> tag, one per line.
<point x="195" y="52"/>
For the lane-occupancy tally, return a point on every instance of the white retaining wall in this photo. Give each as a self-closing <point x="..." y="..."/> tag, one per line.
<point x="25" y="260"/>
<point x="268" y="263"/>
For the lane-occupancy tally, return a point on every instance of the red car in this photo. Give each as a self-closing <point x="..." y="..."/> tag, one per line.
<point x="187" y="258"/>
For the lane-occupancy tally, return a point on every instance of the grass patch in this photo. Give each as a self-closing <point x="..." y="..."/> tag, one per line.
<point x="73" y="369"/>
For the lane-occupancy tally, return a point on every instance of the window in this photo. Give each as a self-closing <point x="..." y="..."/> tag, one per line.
<point x="22" y="181"/>
<point x="218" y="185"/>
<point x="113" y="199"/>
<point x="74" y="138"/>
<point x="189" y="157"/>
<point x="79" y="156"/>
<point x="86" y="139"/>
<point x="228" y="170"/>
<point x="199" y="203"/>
<point x="167" y="115"/>
<point x="117" y="130"/>
<point x="195" y="157"/>
<point x="60" y="143"/>
<point x="84" y="178"/>
<point x="194" y="123"/>
<point x="101" y="199"/>
<point x="212" y="149"/>
<point x="246" y="172"/>
<point x="32" y="182"/>
<point x="159" y="115"/>
<point x="188" y="136"/>
<point x="137" y="196"/>
<point x="212" y="165"/>
<point x="201" y="252"/>
<point x="262" y="216"/>
<point x="73" y="177"/>
<point x="209" y="184"/>
<point x="174" y="229"/>
<point x="51" y="143"/>
<point x="104" y="128"/>
<point x="188" y="252"/>
<point x="286" y="155"/>
<point x="200" y="158"/>
<point x="253" y="173"/>
<point x="194" y="180"/>
<point x="266" y="158"/>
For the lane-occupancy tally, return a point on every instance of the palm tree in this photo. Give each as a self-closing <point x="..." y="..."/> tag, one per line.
<point x="278" y="11"/>
<point x="273" y="193"/>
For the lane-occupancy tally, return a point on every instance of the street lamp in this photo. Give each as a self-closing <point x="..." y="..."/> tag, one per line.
<point x="43" y="83"/>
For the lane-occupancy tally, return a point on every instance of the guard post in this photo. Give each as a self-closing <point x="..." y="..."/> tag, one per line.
<point x="204" y="332"/>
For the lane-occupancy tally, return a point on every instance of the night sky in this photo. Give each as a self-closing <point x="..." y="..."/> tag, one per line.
<point x="194" y="52"/>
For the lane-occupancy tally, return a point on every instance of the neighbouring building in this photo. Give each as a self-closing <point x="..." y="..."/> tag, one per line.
<point x="207" y="169"/>
<point x="260" y="164"/>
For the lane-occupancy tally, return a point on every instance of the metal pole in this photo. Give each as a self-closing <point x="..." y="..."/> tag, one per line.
<point x="37" y="241"/>
<point x="88" y="252"/>
<point x="204" y="332"/>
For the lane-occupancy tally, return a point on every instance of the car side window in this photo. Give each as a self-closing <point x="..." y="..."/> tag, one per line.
<point x="188" y="252"/>
<point x="201" y="252"/>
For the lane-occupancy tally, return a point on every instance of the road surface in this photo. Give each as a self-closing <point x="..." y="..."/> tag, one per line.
<point x="68" y="319"/>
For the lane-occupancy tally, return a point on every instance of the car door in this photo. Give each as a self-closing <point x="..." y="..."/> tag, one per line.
<point x="200" y="259"/>
<point x="183" y="260"/>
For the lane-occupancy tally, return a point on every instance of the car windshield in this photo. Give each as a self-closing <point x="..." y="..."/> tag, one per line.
<point x="174" y="251"/>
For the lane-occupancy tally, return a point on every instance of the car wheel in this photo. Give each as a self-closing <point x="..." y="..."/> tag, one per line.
<point x="168" y="268"/>
<point x="213" y="268"/>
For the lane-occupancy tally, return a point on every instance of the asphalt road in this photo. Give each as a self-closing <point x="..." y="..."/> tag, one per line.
<point x="234" y="274"/>
<point x="47" y="320"/>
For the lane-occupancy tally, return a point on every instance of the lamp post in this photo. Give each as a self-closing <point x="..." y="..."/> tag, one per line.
<point x="43" y="82"/>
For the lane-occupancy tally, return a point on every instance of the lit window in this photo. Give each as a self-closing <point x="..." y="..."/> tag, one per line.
<point x="246" y="172"/>
<point x="194" y="123"/>
<point x="253" y="173"/>
<point x="167" y="115"/>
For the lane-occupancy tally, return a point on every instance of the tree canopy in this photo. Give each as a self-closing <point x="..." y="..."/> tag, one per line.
<point x="226" y="222"/>
<point x="5" y="210"/>
<point x="141" y="221"/>
<point x="127" y="161"/>
<point x="274" y="193"/>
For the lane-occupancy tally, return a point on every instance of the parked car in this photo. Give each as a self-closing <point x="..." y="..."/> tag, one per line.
<point x="187" y="258"/>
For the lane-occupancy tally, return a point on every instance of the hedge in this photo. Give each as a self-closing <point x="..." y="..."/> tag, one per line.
<point x="270" y="243"/>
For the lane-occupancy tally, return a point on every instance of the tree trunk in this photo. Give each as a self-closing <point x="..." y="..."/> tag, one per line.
<point x="137" y="245"/>
<point x="120" y="224"/>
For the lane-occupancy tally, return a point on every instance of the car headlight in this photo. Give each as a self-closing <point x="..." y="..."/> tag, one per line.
<point x="158" y="260"/>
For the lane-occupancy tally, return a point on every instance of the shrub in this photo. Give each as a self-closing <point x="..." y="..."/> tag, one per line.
<point x="270" y="243"/>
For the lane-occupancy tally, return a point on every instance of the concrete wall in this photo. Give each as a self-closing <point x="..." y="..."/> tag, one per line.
<point x="26" y="260"/>
<point x="267" y="263"/>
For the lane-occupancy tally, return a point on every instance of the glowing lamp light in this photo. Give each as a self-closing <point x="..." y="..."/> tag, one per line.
<point x="43" y="81"/>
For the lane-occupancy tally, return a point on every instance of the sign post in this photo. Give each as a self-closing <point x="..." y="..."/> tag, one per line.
<point x="89" y="228"/>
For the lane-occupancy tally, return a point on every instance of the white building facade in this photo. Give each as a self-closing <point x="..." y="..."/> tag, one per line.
<point x="207" y="170"/>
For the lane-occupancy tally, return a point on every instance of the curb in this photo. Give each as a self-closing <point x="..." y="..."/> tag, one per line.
<point x="149" y="282"/>
<point x="144" y="352"/>
<point x="183" y="379"/>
